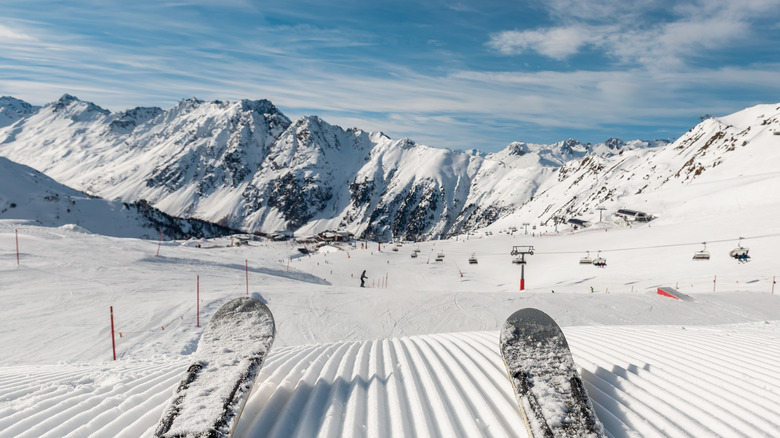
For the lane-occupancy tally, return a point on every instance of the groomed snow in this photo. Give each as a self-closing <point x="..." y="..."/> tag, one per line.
<point x="415" y="353"/>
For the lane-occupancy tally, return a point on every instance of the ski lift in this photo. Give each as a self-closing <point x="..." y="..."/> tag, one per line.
<point x="586" y="260"/>
<point x="599" y="261"/>
<point x="519" y="252"/>
<point x="414" y="254"/>
<point x="439" y="256"/>
<point x="473" y="259"/>
<point x="740" y="253"/>
<point x="703" y="254"/>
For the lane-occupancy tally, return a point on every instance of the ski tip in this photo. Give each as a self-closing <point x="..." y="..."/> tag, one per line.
<point x="532" y="325"/>
<point x="530" y="315"/>
<point x="245" y="308"/>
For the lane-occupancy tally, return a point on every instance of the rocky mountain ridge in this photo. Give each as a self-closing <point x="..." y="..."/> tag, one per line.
<point x="32" y="196"/>
<point x="245" y="165"/>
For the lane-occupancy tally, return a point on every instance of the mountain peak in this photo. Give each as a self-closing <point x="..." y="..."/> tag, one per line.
<point x="13" y="109"/>
<point x="262" y="106"/>
<point x="68" y="101"/>
<point x="614" y="143"/>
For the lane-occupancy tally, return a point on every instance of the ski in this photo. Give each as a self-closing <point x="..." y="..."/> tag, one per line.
<point x="545" y="380"/>
<point x="211" y="396"/>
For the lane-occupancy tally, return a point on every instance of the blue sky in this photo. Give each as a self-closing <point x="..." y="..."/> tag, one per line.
<point x="457" y="74"/>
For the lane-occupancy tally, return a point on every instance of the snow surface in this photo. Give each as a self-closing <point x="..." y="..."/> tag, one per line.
<point x="416" y="352"/>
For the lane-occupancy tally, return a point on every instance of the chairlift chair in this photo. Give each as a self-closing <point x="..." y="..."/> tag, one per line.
<point x="439" y="256"/>
<point x="740" y="253"/>
<point x="414" y="254"/>
<point x="703" y="254"/>
<point x="599" y="261"/>
<point x="586" y="260"/>
<point x="473" y="259"/>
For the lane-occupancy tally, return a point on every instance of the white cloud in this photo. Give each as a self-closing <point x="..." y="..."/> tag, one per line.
<point x="9" y="36"/>
<point x="623" y="30"/>
<point x="557" y="43"/>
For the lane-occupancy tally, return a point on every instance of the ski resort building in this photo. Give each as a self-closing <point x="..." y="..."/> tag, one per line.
<point x="578" y="223"/>
<point x="335" y="236"/>
<point x="634" y="215"/>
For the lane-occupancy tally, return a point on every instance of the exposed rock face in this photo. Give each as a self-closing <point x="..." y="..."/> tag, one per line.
<point x="245" y="165"/>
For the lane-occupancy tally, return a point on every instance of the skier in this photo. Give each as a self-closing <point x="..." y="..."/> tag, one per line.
<point x="363" y="277"/>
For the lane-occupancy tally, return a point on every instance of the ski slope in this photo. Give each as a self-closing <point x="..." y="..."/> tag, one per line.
<point x="416" y="352"/>
<point x="644" y="381"/>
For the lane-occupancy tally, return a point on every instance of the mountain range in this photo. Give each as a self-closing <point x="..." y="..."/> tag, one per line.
<point x="245" y="165"/>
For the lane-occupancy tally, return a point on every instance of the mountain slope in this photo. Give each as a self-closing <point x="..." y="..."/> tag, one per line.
<point x="718" y="154"/>
<point x="245" y="165"/>
<point x="26" y="194"/>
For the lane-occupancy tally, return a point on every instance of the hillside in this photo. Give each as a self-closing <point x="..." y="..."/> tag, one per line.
<point x="30" y="196"/>
<point x="685" y="180"/>
<point x="245" y="165"/>
<point x="416" y="352"/>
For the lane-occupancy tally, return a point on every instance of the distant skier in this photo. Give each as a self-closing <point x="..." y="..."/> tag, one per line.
<point x="363" y="277"/>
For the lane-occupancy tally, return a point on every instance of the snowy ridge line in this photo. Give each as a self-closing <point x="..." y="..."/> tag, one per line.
<point x="678" y="365"/>
<point x="89" y="400"/>
<point x="640" y="386"/>
<point x="747" y="367"/>
<point x="470" y="366"/>
<point x="695" y="346"/>
<point x="658" y="391"/>
<point x="608" y="407"/>
<point x="694" y="394"/>
<point x="283" y="389"/>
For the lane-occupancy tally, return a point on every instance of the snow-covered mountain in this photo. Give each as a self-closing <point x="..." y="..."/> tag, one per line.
<point x="247" y="166"/>
<point x="718" y="154"/>
<point x="12" y="109"/>
<point x="415" y="353"/>
<point x="32" y="196"/>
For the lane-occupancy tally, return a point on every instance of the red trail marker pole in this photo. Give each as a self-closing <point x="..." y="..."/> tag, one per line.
<point x="197" y="298"/>
<point x="113" y="342"/>
<point x="714" y="282"/>
<point x="522" y="277"/>
<point x="159" y="244"/>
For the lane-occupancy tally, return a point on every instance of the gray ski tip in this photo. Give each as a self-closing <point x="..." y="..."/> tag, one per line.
<point x="533" y="325"/>
<point x="242" y="305"/>
<point x="529" y="315"/>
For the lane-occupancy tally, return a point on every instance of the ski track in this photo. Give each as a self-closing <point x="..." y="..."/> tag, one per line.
<point x="661" y="381"/>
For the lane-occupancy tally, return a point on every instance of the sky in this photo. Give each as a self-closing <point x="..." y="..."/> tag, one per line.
<point x="454" y="74"/>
